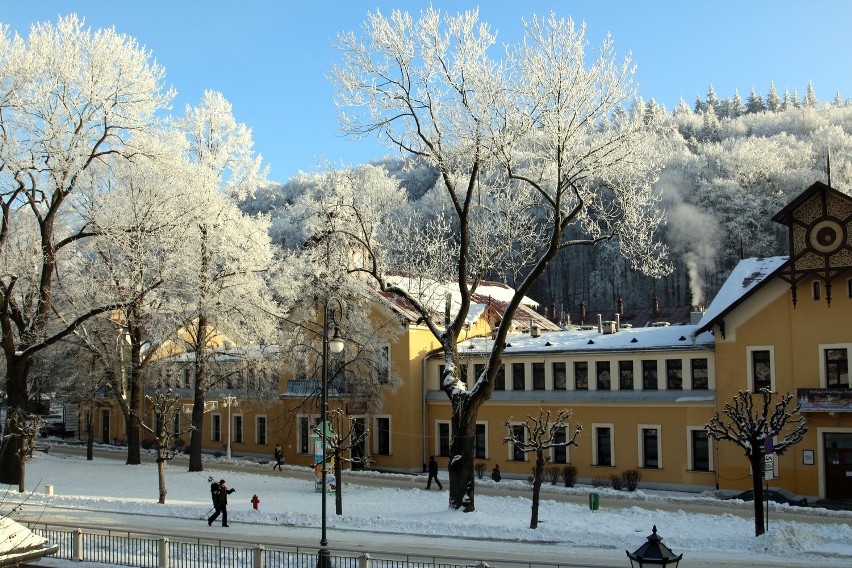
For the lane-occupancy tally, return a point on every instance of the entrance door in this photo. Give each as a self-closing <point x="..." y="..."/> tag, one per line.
<point x="359" y="450"/>
<point x="838" y="466"/>
<point x="105" y="426"/>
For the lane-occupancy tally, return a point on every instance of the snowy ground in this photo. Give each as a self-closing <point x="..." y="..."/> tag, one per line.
<point x="110" y="485"/>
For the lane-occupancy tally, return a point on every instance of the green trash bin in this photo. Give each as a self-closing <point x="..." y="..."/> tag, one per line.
<point x="594" y="501"/>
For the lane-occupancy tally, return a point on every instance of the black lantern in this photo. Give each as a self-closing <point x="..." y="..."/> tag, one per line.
<point x="654" y="553"/>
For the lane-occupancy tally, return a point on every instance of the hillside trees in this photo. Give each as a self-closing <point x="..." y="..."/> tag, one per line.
<point x="73" y="102"/>
<point x="535" y="154"/>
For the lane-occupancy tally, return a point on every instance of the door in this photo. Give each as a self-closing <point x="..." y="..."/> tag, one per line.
<point x="359" y="450"/>
<point x="838" y="466"/>
<point x="105" y="426"/>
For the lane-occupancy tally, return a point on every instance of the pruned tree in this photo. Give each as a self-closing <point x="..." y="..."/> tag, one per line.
<point x="73" y="103"/>
<point x="344" y="437"/>
<point x="538" y="434"/>
<point x="165" y="406"/>
<point x="535" y="153"/>
<point x="749" y="427"/>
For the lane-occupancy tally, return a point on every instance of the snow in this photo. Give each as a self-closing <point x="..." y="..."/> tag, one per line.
<point x="110" y="485"/>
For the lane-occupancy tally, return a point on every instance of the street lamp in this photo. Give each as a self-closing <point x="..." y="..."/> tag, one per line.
<point x="229" y="401"/>
<point x="335" y="345"/>
<point x="654" y="553"/>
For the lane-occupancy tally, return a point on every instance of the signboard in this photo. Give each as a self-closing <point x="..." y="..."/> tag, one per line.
<point x="824" y="400"/>
<point x="329" y="466"/>
<point x="769" y="466"/>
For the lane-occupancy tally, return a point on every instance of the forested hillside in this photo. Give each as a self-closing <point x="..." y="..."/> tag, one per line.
<point x="730" y="165"/>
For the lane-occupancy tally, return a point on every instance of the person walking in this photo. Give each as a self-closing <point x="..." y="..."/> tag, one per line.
<point x="433" y="474"/>
<point x="279" y="457"/>
<point x="214" y="495"/>
<point x="495" y="473"/>
<point x="222" y="504"/>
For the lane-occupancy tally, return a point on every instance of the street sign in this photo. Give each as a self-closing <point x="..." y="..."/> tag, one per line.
<point x="769" y="466"/>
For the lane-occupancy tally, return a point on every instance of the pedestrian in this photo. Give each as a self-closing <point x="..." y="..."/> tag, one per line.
<point x="495" y="473"/>
<point x="279" y="457"/>
<point x="433" y="474"/>
<point x="214" y="495"/>
<point x="222" y="504"/>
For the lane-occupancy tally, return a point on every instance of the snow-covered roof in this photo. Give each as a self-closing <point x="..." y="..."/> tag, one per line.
<point x="671" y="337"/>
<point x="18" y="544"/>
<point x="747" y="276"/>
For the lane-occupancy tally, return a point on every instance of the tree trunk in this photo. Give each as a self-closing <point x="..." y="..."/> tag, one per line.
<point x="11" y="452"/>
<point x="756" y="459"/>
<point x="136" y="395"/>
<point x="90" y="443"/>
<point x="200" y="367"/>
<point x="195" y="441"/>
<point x="538" y="473"/>
<point x="161" y="472"/>
<point x="462" y="446"/>
<point x="338" y="485"/>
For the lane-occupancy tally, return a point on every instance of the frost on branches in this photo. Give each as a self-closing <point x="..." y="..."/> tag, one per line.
<point x="535" y="153"/>
<point x="749" y="425"/>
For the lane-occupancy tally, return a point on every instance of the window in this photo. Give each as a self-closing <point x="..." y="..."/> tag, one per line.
<point x="382" y="440"/>
<point x="560" y="453"/>
<point x="383" y="366"/>
<point x="649" y="375"/>
<point x="516" y="453"/>
<point x="559" y="382"/>
<point x="625" y="375"/>
<point x="260" y="430"/>
<point x="602" y="445"/>
<point x="699" y="374"/>
<point x="849" y="288"/>
<point x="500" y="380"/>
<point x="581" y="375"/>
<point x="816" y="290"/>
<point x="481" y="442"/>
<point x="176" y="423"/>
<point x="237" y="429"/>
<point x="187" y="380"/>
<point x="761" y="368"/>
<point x="304" y="435"/>
<point x="216" y="428"/>
<point x="538" y="376"/>
<point x="674" y="374"/>
<point x="519" y="381"/>
<point x="478" y="369"/>
<point x="836" y="367"/>
<point x="699" y="450"/>
<point x="444" y="439"/>
<point x="649" y="446"/>
<point x="602" y="375"/>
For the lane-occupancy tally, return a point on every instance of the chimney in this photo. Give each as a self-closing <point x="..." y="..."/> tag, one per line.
<point x="655" y="307"/>
<point x="617" y="321"/>
<point x="582" y="313"/>
<point x="600" y="323"/>
<point x="533" y="329"/>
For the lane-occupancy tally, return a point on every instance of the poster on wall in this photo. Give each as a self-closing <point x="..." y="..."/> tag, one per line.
<point x="824" y="400"/>
<point x="330" y="481"/>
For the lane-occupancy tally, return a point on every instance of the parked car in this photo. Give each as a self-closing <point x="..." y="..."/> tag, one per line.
<point x="54" y="425"/>
<point x="779" y="495"/>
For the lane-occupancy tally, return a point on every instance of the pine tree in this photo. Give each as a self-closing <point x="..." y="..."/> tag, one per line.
<point x="797" y="102"/>
<point x="754" y="104"/>
<point x="682" y="108"/>
<point x="810" y="96"/>
<point x="737" y="107"/>
<point x="699" y="105"/>
<point x="787" y="103"/>
<point x="773" y="103"/>
<point x="712" y="100"/>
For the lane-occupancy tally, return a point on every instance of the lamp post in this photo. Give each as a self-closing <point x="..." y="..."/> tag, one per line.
<point x="654" y="553"/>
<point x="229" y="401"/>
<point x="335" y="345"/>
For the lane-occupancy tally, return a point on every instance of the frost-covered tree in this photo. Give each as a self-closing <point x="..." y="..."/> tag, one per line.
<point x="754" y="103"/>
<point x="165" y="409"/>
<point x="749" y="425"/>
<point x="773" y="102"/>
<point x="526" y="170"/>
<point x="73" y="103"/>
<point x="229" y="253"/>
<point x="810" y="96"/>
<point x="538" y="435"/>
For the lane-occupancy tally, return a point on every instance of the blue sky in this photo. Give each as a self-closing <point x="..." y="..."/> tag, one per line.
<point x="270" y="59"/>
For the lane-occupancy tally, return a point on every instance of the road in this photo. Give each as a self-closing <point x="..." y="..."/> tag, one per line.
<point x="474" y="550"/>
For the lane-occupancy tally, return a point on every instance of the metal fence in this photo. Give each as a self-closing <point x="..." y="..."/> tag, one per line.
<point x="149" y="550"/>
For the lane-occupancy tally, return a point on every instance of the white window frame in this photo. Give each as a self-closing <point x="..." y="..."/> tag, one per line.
<point x="552" y="451"/>
<point x="213" y="437"/>
<point x="376" y="434"/>
<point x="487" y="453"/>
<point x="312" y="419"/>
<point x="641" y="453"/>
<point x="690" y="462"/>
<point x="241" y="430"/>
<point x="438" y="424"/>
<point x="510" y="447"/>
<point x="257" y="441"/>
<point x="823" y="347"/>
<point x="750" y="367"/>
<point x="595" y="427"/>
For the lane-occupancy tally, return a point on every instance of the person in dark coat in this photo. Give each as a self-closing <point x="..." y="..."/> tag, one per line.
<point x="223" y="504"/>
<point x="495" y="473"/>
<point x="279" y="457"/>
<point x="433" y="474"/>
<point x="214" y="495"/>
